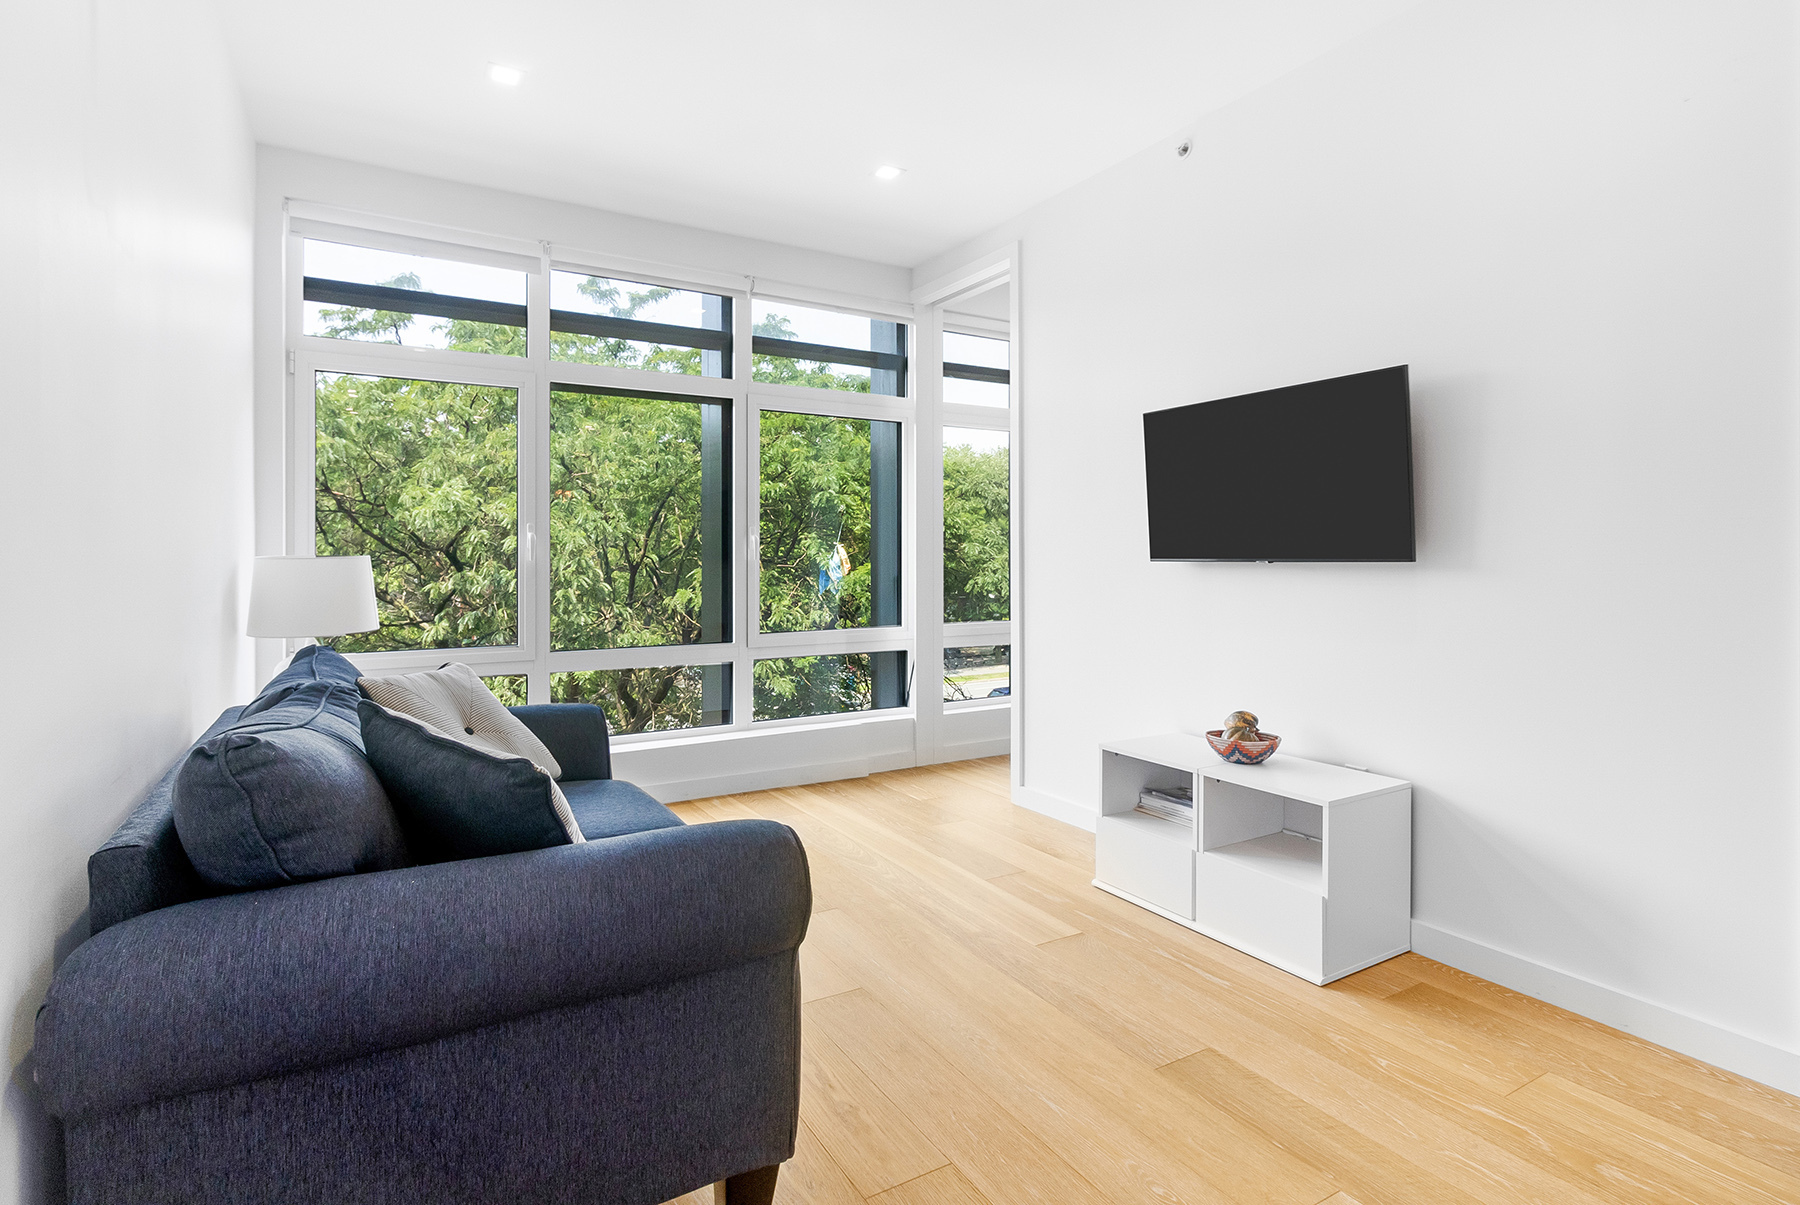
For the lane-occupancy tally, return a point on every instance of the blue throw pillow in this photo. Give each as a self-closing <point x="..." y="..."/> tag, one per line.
<point x="454" y="800"/>
<point x="285" y="795"/>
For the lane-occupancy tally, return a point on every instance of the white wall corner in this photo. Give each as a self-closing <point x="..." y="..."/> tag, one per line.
<point x="1735" y="1052"/>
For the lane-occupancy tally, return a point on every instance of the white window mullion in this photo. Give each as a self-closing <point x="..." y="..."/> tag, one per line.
<point x="534" y="502"/>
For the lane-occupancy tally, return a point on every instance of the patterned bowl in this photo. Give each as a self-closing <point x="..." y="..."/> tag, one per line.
<point x="1243" y="753"/>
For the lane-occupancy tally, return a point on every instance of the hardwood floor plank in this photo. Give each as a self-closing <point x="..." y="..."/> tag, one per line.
<point x="1657" y="1160"/>
<point x="812" y="1176"/>
<point x="945" y="1186"/>
<point x="1053" y="1074"/>
<point x="864" y="1132"/>
<point x="820" y="976"/>
<point x="1377" y="1174"/>
<point x="998" y="1153"/>
<point x="983" y="1025"/>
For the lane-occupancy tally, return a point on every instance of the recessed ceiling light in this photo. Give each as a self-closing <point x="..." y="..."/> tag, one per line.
<point x="888" y="172"/>
<point x="502" y="74"/>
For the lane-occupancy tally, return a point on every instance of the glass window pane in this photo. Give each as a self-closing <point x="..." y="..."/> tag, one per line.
<point x="422" y="477"/>
<point x="830" y="522"/>
<point x="639" y="497"/>
<point x="508" y="688"/>
<point x="789" y="687"/>
<point x="481" y="290"/>
<point x="852" y="333"/>
<point x="574" y="296"/>
<point x="983" y="672"/>
<point x="977" y="525"/>
<point x="660" y="699"/>
<point x="979" y="352"/>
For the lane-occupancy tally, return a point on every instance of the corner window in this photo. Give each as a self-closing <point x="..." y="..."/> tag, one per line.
<point x="977" y="525"/>
<point x="976" y="371"/>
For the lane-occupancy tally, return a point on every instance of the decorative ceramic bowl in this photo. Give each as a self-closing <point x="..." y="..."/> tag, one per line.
<point x="1243" y="753"/>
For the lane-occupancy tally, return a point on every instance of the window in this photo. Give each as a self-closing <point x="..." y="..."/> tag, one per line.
<point x="982" y="672"/>
<point x="975" y="370"/>
<point x="625" y="324"/>
<point x="639" y="498"/>
<point x="651" y="699"/>
<point x="792" y="687"/>
<point x="977" y="525"/>
<point x="682" y="502"/>
<point x="421" y="477"/>
<point x="829" y="522"/>
<point x="376" y="296"/>
<point x="823" y="349"/>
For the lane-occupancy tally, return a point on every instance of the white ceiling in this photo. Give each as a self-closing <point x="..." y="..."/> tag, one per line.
<point x="768" y="119"/>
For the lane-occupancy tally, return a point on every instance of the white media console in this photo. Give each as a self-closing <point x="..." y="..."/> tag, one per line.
<point x="1304" y="865"/>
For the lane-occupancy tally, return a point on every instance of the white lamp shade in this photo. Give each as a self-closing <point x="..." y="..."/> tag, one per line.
<point x="312" y="596"/>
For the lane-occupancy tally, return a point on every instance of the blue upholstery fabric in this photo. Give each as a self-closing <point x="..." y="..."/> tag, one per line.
<point x="456" y="801"/>
<point x="314" y="663"/>
<point x="142" y="866"/>
<point x="606" y="807"/>
<point x="236" y="988"/>
<point x="626" y="1100"/>
<point x="575" y="734"/>
<point x="284" y="795"/>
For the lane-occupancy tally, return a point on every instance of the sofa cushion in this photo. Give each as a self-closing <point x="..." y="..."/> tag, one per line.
<point x="606" y="807"/>
<point x="458" y="704"/>
<point x="459" y="801"/>
<point x="453" y="701"/>
<point x="314" y="663"/>
<point x="284" y="795"/>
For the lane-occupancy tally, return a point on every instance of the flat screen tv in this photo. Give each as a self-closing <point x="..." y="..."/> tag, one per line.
<point x="1313" y="472"/>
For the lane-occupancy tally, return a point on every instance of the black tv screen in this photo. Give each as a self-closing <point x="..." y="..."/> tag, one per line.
<point x="1314" y="472"/>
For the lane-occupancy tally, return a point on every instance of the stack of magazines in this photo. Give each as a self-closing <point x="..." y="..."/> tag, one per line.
<point x="1168" y="803"/>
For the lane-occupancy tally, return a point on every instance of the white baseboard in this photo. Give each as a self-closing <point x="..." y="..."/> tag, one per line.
<point x="1747" y="1056"/>
<point x="767" y="780"/>
<point x="1056" y="807"/>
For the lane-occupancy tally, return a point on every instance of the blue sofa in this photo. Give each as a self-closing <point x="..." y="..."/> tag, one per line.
<point x="616" y="1021"/>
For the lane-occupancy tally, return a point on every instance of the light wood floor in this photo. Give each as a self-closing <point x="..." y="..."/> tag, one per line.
<point x="983" y="1025"/>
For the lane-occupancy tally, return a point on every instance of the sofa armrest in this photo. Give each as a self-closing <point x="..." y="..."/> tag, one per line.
<point x="575" y="734"/>
<point x="238" y="988"/>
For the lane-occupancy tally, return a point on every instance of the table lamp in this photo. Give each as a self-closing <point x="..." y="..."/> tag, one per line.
<point x="312" y="596"/>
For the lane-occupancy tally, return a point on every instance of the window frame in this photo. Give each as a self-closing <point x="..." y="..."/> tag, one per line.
<point x="980" y="418"/>
<point x="534" y="377"/>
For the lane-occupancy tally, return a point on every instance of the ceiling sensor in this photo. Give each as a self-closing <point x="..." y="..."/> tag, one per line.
<point x="1186" y="148"/>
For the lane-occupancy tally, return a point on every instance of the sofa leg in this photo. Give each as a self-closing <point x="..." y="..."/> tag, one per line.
<point x="749" y="1188"/>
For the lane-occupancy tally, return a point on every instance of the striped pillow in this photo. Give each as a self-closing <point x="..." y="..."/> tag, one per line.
<point x="455" y="703"/>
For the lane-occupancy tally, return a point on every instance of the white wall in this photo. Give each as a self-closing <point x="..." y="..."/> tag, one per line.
<point x="125" y="193"/>
<point x="1576" y="222"/>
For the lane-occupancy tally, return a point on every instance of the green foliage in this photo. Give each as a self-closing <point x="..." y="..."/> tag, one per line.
<point x="421" y="476"/>
<point x="789" y="687"/>
<point x="781" y="370"/>
<point x="977" y="531"/>
<point x="640" y="700"/>
<point x="508" y="688"/>
<point x="623" y="353"/>
<point x="625" y="521"/>
<point x="815" y="495"/>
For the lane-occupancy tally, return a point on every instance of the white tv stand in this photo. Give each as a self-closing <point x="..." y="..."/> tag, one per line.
<point x="1304" y="865"/>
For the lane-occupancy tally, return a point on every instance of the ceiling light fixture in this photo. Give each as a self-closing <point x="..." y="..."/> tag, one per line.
<point x="888" y="172"/>
<point x="512" y="77"/>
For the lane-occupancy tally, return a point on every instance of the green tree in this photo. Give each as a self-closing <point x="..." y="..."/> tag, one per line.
<point x="977" y="534"/>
